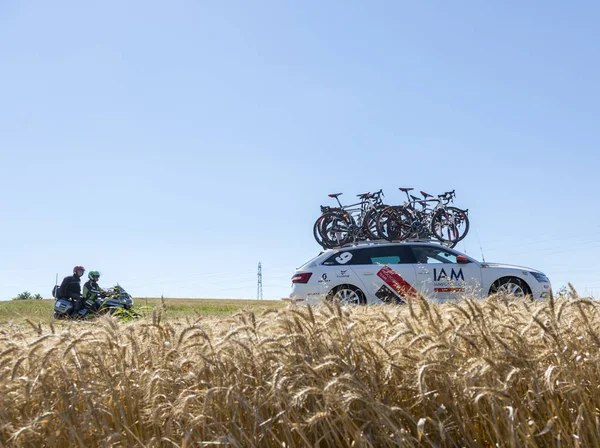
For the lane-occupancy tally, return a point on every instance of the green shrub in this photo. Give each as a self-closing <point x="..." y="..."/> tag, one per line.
<point x="23" y="296"/>
<point x="28" y="296"/>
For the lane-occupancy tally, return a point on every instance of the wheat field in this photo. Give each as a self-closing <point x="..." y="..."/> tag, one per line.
<point x="498" y="372"/>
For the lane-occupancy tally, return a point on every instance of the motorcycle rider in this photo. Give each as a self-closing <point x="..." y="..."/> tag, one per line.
<point x="70" y="288"/>
<point x="91" y="291"/>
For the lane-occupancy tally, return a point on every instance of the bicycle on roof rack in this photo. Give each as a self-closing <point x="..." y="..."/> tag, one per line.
<point x="341" y="225"/>
<point x="369" y="220"/>
<point x="426" y="218"/>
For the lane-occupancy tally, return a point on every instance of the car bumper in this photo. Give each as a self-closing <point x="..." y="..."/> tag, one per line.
<point x="305" y="294"/>
<point x="542" y="291"/>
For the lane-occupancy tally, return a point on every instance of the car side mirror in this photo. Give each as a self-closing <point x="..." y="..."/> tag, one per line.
<point x="462" y="259"/>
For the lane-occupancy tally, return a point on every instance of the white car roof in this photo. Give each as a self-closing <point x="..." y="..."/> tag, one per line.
<point x="377" y="244"/>
<point x="328" y="252"/>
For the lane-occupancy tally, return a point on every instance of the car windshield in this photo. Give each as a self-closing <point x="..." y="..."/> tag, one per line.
<point x="434" y="254"/>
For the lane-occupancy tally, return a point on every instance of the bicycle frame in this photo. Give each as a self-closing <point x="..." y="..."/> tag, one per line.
<point x="359" y="210"/>
<point x="370" y="219"/>
<point x="422" y="219"/>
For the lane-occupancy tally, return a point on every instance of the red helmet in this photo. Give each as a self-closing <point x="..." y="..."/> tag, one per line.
<point x="78" y="268"/>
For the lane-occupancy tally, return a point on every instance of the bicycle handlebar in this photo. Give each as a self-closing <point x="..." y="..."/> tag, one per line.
<point x="366" y="196"/>
<point x="447" y="196"/>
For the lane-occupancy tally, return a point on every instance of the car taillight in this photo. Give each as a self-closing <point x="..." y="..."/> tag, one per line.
<point x="301" y="278"/>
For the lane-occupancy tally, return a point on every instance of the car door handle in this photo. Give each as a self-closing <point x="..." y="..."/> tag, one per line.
<point x="368" y="273"/>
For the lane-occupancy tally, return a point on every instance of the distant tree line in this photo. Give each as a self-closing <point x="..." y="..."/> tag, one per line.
<point x="28" y="296"/>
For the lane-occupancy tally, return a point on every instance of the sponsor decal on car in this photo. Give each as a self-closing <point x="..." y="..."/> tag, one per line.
<point x="343" y="274"/>
<point x="343" y="258"/>
<point x="396" y="282"/>
<point x="386" y="295"/>
<point x="442" y="279"/>
<point x="324" y="279"/>
<point x="454" y="275"/>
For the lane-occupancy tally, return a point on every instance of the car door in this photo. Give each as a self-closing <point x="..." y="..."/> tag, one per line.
<point x="336" y="271"/>
<point x="387" y="273"/>
<point x="441" y="277"/>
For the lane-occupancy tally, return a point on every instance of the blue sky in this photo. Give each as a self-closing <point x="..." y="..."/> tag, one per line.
<point x="174" y="145"/>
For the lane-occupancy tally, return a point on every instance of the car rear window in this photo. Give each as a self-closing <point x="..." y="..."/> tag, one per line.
<point x="310" y="261"/>
<point x="342" y="258"/>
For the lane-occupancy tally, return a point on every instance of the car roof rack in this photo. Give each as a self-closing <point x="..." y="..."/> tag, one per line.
<point x="377" y="242"/>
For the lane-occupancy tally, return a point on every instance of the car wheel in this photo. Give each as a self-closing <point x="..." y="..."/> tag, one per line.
<point x="347" y="295"/>
<point x="511" y="285"/>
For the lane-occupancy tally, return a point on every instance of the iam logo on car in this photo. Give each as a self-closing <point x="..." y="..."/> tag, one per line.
<point x="396" y="282"/>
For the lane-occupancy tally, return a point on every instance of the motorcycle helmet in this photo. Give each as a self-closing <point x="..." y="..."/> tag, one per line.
<point x="93" y="274"/>
<point x="78" y="268"/>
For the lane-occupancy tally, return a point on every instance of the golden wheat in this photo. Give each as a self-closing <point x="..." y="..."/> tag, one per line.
<point x="497" y="372"/>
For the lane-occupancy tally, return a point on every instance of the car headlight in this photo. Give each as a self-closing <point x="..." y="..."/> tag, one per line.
<point x="540" y="277"/>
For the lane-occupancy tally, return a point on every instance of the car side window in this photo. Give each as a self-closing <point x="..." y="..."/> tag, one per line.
<point x="372" y="255"/>
<point x="387" y="259"/>
<point x="389" y="255"/>
<point x="433" y="255"/>
<point x="343" y="258"/>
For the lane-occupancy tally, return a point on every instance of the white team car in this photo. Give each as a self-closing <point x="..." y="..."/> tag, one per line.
<point x="389" y="273"/>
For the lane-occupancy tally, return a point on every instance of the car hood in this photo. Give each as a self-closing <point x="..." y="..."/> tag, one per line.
<point x="508" y="266"/>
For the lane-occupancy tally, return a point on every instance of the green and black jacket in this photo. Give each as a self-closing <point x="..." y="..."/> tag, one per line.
<point x="91" y="291"/>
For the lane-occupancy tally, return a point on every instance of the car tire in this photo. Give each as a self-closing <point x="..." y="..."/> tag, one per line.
<point x="347" y="295"/>
<point x="511" y="285"/>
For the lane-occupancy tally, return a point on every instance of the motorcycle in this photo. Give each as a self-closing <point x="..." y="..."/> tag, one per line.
<point x="115" y="301"/>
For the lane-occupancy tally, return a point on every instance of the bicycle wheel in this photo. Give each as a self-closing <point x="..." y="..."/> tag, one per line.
<point x="450" y="224"/>
<point x="336" y="229"/>
<point x="369" y="225"/>
<point x="461" y="220"/>
<point x="317" y="232"/>
<point x="394" y="223"/>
